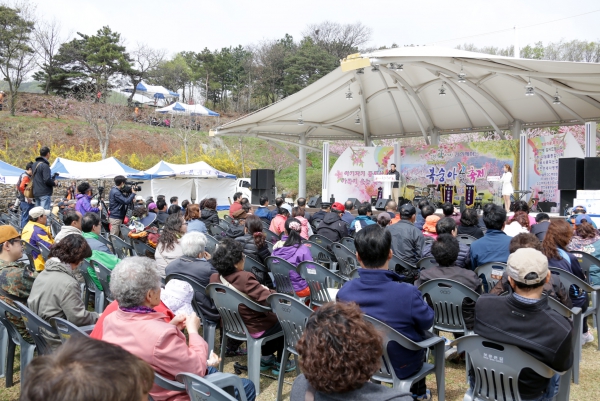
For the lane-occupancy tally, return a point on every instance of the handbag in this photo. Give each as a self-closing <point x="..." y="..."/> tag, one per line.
<point x="28" y="192"/>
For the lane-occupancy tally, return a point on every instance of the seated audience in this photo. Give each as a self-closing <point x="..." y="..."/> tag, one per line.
<point x="174" y="200"/>
<point x="37" y="232"/>
<point x="298" y="214"/>
<point x="383" y="219"/>
<point x="301" y="202"/>
<point x="407" y="240"/>
<point x="447" y="225"/>
<point x="100" y="252"/>
<point x="169" y="248"/>
<point x="140" y="329"/>
<point x="178" y="296"/>
<point x="229" y="262"/>
<point x="325" y="208"/>
<point x="450" y="211"/>
<point x="236" y="228"/>
<point x="420" y="220"/>
<point x="426" y="211"/>
<point x="362" y="220"/>
<point x="348" y="216"/>
<point x="144" y="227"/>
<point x="578" y="211"/>
<point x="554" y="288"/>
<point x="278" y="222"/>
<point x="184" y="205"/>
<point x="244" y="212"/>
<point x="209" y="213"/>
<point x="429" y="226"/>
<point x="524" y="318"/>
<point x="72" y="225"/>
<point x="236" y="205"/>
<point x="174" y="209"/>
<point x="291" y="249"/>
<point x="278" y="202"/>
<point x="522" y="206"/>
<point x="194" y="263"/>
<point x="469" y="224"/>
<point x="586" y="238"/>
<point x="56" y="292"/>
<point x="254" y="240"/>
<point x="445" y="250"/>
<point x="390" y="208"/>
<point x="518" y="224"/>
<point x="15" y="279"/>
<point x="374" y="289"/>
<point x="263" y="211"/>
<point x="73" y="373"/>
<point x="333" y="227"/>
<point x="84" y="197"/>
<point x="542" y="221"/>
<point x="493" y="246"/>
<point x="554" y="246"/>
<point x="340" y="367"/>
<point x="161" y="216"/>
<point x="192" y="216"/>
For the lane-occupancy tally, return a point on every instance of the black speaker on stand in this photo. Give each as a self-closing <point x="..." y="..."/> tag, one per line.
<point x="566" y="201"/>
<point x="355" y="202"/>
<point x="314" y="202"/>
<point x="257" y="193"/>
<point x="262" y="178"/>
<point x="380" y="205"/>
<point x="570" y="174"/>
<point x="591" y="172"/>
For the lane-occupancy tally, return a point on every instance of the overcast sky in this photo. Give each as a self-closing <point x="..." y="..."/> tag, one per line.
<point x="195" y="24"/>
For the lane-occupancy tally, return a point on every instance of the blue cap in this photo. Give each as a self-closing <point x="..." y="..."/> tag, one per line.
<point x="581" y="217"/>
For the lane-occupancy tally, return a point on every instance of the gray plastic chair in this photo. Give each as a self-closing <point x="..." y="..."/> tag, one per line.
<point x="447" y="297"/>
<point x="34" y="324"/>
<point x="227" y="302"/>
<point x="224" y="224"/>
<point x="568" y="279"/>
<point x="209" y="328"/>
<point x="321" y="255"/>
<point x="142" y="249"/>
<point x="485" y="272"/>
<point x="586" y="261"/>
<point x="346" y="259"/>
<point x="271" y="236"/>
<point x="12" y="337"/>
<point x="354" y="274"/>
<point x="255" y="267"/>
<point x="211" y="244"/>
<point x="280" y="269"/>
<point x="292" y="315"/>
<point x="44" y="251"/>
<point x="167" y="384"/>
<point x="319" y="279"/>
<point x="466" y="239"/>
<point x="348" y="242"/>
<point x="575" y="315"/>
<point x="91" y="288"/>
<point x="106" y="242"/>
<point x="55" y="228"/>
<point x="66" y="329"/>
<point x="31" y="252"/>
<point x="497" y="367"/>
<point x="216" y="230"/>
<point x="227" y="218"/>
<point x="386" y="371"/>
<point x="122" y="248"/>
<point x="265" y="224"/>
<point x="204" y="388"/>
<point x="321" y="240"/>
<point x="403" y="268"/>
<point x="124" y="233"/>
<point x="103" y="274"/>
<point x="426" y="263"/>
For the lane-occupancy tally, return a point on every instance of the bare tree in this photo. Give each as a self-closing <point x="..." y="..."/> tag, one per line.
<point x="47" y="38"/>
<point x="185" y="127"/>
<point x="338" y="39"/>
<point x="144" y="60"/>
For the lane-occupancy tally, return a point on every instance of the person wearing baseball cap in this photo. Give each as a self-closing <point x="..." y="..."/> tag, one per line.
<point x="325" y="208"/>
<point x="36" y="232"/>
<point x="407" y="240"/>
<point x="333" y="227"/>
<point x="523" y="318"/>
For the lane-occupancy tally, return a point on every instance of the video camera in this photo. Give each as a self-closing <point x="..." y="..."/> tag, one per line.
<point x="131" y="185"/>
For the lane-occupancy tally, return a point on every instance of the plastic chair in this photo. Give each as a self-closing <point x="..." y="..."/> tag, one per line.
<point x="321" y="240"/>
<point x="586" y="261"/>
<point x="386" y="372"/>
<point x="142" y="249"/>
<point x="34" y="324"/>
<point x="227" y="302"/>
<point x="447" y="297"/>
<point x="91" y="288"/>
<point x="426" y="263"/>
<point x="125" y="232"/>
<point x="270" y="246"/>
<point x="348" y="242"/>
<point x="573" y="314"/>
<point x="122" y="248"/>
<point x="66" y="329"/>
<point x="215" y="230"/>
<point x="265" y="223"/>
<point x="292" y="315"/>
<point x="271" y="236"/>
<point x="13" y="338"/>
<point x="106" y="242"/>
<point x="403" y="268"/>
<point x="211" y="244"/>
<point x="319" y="280"/>
<point x="315" y="223"/>
<point x="497" y="367"/>
<point x="321" y="254"/>
<point x="30" y="251"/>
<point x="346" y="259"/>
<point x="44" y="251"/>
<point x="224" y="224"/>
<point x="209" y="328"/>
<point x="568" y="280"/>
<point x="203" y="388"/>
<point x="466" y="239"/>
<point x="167" y="384"/>
<point x="280" y="269"/>
<point x="487" y="270"/>
<point x="103" y="274"/>
<point x="354" y="274"/>
<point x="227" y="218"/>
<point x="255" y="267"/>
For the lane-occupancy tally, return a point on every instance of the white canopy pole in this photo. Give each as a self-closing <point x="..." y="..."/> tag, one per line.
<point x="302" y="167"/>
<point x="590" y="139"/>
<point x="325" y="173"/>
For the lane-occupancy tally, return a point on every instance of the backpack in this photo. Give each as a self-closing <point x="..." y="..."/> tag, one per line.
<point x="28" y="192"/>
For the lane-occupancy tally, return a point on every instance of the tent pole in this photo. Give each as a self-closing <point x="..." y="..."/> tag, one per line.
<point x="302" y="167"/>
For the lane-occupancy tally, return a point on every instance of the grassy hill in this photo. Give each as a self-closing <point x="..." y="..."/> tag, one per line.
<point x="30" y="87"/>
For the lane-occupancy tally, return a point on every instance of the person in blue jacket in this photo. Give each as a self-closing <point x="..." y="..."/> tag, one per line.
<point x="84" y="196"/>
<point x="118" y="204"/>
<point x="380" y="293"/>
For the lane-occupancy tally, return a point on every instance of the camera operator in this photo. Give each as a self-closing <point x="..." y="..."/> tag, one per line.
<point x="43" y="180"/>
<point x="119" y="198"/>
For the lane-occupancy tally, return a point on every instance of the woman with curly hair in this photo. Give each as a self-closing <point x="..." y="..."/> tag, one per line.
<point x="518" y="224"/>
<point x="469" y="224"/>
<point x="168" y="248"/>
<point x="229" y="259"/>
<point x="339" y="352"/>
<point x="294" y="251"/>
<point x="56" y="292"/>
<point x="555" y="247"/>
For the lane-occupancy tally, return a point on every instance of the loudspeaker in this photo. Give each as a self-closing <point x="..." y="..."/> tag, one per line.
<point x="545" y="207"/>
<point x="355" y="202"/>
<point x="314" y="202"/>
<point x="591" y="172"/>
<point x="262" y="178"/>
<point x="257" y="193"/>
<point x="566" y="200"/>
<point x="570" y="174"/>
<point x="380" y="205"/>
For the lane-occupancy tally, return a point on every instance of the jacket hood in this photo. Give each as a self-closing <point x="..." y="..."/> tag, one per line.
<point x="80" y="196"/>
<point x="235" y="231"/>
<point x="207" y="212"/>
<point x="331" y="218"/>
<point x="71" y="230"/>
<point x="286" y="252"/>
<point x="54" y="264"/>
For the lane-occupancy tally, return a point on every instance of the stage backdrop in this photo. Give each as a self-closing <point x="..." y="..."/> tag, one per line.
<point x="543" y="155"/>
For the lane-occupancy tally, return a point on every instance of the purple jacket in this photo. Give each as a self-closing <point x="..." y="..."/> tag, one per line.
<point x="83" y="205"/>
<point x="294" y="255"/>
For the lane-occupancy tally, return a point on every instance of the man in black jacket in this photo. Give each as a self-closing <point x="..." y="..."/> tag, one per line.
<point x="43" y="182"/>
<point x="407" y="240"/>
<point x="524" y="319"/>
<point x="333" y="227"/>
<point x="118" y="204"/>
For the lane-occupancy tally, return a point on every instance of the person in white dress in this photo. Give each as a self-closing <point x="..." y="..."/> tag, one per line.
<point x="507" y="188"/>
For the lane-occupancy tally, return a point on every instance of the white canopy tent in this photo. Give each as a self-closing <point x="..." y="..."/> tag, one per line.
<point x="187" y="109"/>
<point x="100" y="170"/>
<point x="427" y="91"/>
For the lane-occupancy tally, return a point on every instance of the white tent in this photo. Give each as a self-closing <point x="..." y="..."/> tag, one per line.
<point x="9" y="174"/>
<point x="187" y="109"/>
<point x="153" y="91"/>
<point x="103" y="169"/>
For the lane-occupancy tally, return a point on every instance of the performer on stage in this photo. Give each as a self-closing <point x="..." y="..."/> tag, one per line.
<point x="507" y="188"/>
<point x="396" y="184"/>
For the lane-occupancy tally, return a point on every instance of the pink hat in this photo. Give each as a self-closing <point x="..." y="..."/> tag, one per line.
<point x="152" y="206"/>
